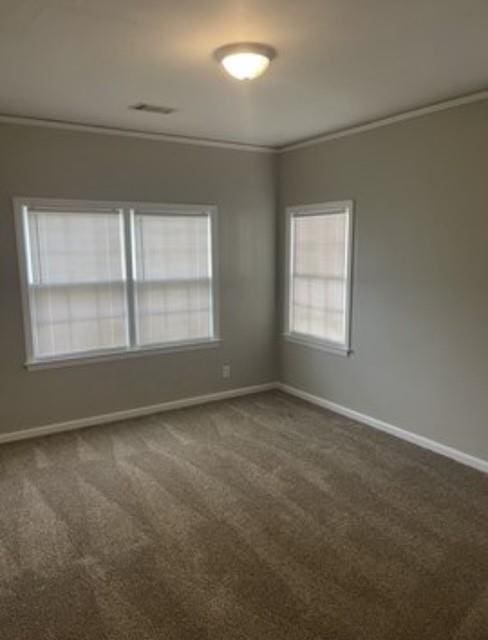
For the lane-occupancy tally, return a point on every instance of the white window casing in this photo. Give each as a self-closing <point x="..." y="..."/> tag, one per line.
<point x="318" y="287"/>
<point x="104" y="280"/>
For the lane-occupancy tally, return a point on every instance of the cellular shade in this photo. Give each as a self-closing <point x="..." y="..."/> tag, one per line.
<point x="318" y="276"/>
<point x="76" y="281"/>
<point x="172" y="278"/>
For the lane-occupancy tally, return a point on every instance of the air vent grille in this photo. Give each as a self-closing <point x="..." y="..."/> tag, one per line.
<point x="152" y="108"/>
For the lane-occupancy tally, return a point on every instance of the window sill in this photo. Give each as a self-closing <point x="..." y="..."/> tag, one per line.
<point x="107" y="356"/>
<point x="316" y="343"/>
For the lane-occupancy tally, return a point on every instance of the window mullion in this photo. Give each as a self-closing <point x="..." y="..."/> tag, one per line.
<point x="129" y="270"/>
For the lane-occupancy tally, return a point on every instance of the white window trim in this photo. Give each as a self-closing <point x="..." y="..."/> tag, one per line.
<point x="127" y="209"/>
<point x="343" y="349"/>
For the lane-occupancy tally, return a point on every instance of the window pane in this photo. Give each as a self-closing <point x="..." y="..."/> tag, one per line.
<point x="172" y="278"/>
<point x="77" y="318"/>
<point x="76" y="282"/>
<point x="75" y="247"/>
<point x="318" y="287"/>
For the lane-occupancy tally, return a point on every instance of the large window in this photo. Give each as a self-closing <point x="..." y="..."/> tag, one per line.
<point x="319" y="274"/>
<point x="108" y="278"/>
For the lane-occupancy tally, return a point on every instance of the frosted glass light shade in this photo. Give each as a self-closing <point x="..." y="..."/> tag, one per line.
<point x="245" y="61"/>
<point x="245" y="66"/>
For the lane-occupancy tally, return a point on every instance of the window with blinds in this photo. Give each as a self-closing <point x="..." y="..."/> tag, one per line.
<point x="102" y="279"/>
<point x="173" y="278"/>
<point x="319" y="273"/>
<point x="77" y="281"/>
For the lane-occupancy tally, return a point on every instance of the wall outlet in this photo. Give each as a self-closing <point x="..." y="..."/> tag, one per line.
<point x="226" y="371"/>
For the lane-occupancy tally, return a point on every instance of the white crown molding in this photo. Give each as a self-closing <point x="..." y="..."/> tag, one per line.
<point x="426" y="443"/>
<point x="383" y="122"/>
<point x="241" y="146"/>
<point x="127" y="414"/>
<point x="133" y="133"/>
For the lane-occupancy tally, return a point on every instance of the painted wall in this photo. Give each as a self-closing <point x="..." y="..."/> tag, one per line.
<point x="420" y="299"/>
<point x="46" y="162"/>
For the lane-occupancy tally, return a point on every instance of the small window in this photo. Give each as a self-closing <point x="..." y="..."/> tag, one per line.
<point x="103" y="279"/>
<point x="319" y="275"/>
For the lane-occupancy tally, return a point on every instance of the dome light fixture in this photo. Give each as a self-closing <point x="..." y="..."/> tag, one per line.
<point x="245" y="60"/>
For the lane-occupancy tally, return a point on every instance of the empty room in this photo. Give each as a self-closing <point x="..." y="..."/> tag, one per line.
<point x="244" y="320"/>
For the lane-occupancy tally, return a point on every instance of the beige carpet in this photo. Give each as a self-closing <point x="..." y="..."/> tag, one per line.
<point x="260" y="518"/>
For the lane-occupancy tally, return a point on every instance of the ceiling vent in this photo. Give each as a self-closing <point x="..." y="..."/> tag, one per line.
<point x="152" y="108"/>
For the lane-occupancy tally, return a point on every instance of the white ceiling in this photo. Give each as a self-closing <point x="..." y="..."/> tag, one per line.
<point x="340" y="62"/>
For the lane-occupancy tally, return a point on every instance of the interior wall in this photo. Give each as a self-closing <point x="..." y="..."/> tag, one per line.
<point x="48" y="162"/>
<point x="420" y="294"/>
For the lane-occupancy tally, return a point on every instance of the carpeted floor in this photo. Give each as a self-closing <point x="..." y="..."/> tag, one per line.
<point x="260" y="518"/>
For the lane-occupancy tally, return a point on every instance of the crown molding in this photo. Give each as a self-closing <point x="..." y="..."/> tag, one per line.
<point x="383" y="122"/>
<point x="241" y="146"/>
<point x="133" y="133"/>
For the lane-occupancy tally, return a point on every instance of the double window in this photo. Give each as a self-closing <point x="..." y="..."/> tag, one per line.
<point x="109" y="278"/>
<point x="318" y="287"/>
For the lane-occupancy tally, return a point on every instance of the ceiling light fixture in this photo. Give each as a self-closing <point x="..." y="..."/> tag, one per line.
<point x="245" y="60"/>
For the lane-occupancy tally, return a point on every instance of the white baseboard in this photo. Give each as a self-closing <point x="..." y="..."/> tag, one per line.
<point x="421" y="441"/>
<point x="91" y="421"/>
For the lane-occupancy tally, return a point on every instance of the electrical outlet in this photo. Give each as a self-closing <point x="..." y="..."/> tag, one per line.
<point x="226" y="371"/>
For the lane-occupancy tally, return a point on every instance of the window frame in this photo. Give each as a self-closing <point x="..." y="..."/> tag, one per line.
<point x="127" y="209"/>
<point x="323" y="208"/>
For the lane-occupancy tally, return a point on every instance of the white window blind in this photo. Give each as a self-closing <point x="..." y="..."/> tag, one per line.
<point x="172" y="274"/>
<point x="76" y="281"/>
<point x="102" y="278"/>
<point x="319" y="272"/>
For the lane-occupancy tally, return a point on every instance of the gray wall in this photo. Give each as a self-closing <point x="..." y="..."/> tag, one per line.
<point x="420" y="299"/>
<point x="47" y="162"/>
